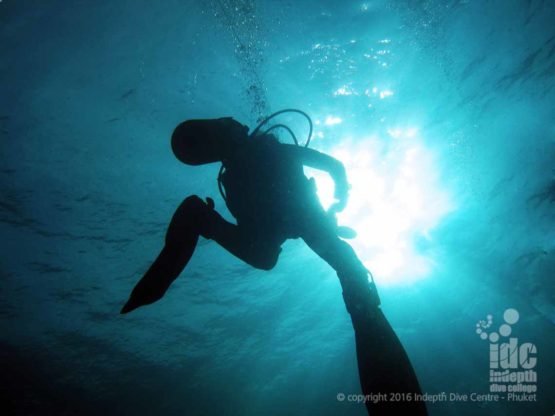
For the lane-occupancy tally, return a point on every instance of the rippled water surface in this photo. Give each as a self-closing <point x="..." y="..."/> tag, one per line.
<point x="443" y="114"/>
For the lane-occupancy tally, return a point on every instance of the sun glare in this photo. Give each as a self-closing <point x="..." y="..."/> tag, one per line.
<point x="396" y="200"/>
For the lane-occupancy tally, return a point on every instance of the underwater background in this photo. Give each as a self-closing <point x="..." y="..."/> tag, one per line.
<point x="443" y="113"/>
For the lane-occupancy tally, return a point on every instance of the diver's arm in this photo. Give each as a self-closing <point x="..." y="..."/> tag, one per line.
<point x="321" y="161"/>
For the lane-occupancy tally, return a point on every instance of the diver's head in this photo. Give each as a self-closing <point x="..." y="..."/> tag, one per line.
<point x="197" y="142"/>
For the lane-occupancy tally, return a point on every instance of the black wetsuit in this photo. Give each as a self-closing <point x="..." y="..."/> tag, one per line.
<point x="267" y="191"/>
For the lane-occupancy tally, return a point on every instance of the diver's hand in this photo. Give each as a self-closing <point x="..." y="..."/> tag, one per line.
<point x="342" y="197"/>
<point x="337" y="206"/>
<point x="342" y="187"/>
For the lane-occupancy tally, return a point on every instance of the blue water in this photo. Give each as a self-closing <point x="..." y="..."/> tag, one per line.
<point x="443" y="112"/>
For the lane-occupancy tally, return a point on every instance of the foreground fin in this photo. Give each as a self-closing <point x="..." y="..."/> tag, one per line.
<point x="384" y="367"/>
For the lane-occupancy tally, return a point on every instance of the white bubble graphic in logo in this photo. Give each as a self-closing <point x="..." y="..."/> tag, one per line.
<point x="510" y="316"/>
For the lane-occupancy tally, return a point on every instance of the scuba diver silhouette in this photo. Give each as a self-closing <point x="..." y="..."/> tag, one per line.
<point x="265" y="189"/>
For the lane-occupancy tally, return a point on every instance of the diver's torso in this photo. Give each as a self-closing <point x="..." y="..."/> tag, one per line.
<point x="265" y="187"/>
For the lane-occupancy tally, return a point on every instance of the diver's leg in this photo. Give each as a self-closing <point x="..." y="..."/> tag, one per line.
<point x="181" y="239"/>
<point x="192" y="219"/>
<point x="383" y="364"/>
<point x="258" y="248"/>
<point x="360" y="294"/>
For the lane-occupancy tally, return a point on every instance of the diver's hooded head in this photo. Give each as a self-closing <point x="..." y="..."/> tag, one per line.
<point x="197" y="142"/>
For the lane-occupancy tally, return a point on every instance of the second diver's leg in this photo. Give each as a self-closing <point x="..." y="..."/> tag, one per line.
<point x="194" y="218"/>
<point x="383" y="364"/>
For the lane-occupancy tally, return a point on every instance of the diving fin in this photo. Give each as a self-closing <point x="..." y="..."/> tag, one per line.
<point x="385" y="368"/>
